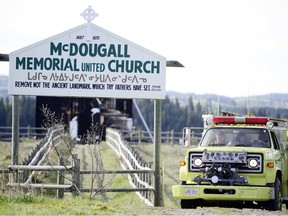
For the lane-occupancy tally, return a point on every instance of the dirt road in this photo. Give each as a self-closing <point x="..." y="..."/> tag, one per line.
<point x="205" y="211"/>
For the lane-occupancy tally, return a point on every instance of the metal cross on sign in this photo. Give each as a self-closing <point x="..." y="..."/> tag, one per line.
<point x="89" y="14"/>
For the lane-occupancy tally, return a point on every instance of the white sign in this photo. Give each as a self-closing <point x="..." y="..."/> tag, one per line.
<point x="87" y="61"/>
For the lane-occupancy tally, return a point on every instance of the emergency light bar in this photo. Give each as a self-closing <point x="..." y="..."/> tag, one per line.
<point x="239" y="120"/>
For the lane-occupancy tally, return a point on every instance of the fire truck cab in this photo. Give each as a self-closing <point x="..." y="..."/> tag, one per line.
<point x="239" y="162"/>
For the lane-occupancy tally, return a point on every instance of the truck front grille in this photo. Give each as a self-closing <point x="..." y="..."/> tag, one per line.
<point x="241" y="165"/>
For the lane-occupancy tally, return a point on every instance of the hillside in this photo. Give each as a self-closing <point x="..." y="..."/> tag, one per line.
<point x="273" y="100"/>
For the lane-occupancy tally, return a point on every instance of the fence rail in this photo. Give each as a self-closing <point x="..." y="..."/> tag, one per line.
<point x="139" y="136"/>
<point x="37" y="162"/>
<point x="24" y="132"/>
<point x="131" y="161"/>
<point x="167" y="137"/>
<point x="140" y="173"/>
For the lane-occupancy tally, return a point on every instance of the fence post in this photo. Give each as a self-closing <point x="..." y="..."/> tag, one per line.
<point x="28" y="132"/>
<point x="145" y="179"/>
<point x="15" y="129"/>
<point x="76" y="175"/>
<point x="157" y="156"/>
<point x="162" y="185"/>
<point x="172" y="137"/>
<point x="167" y="136"/>
<point x="139" y="136"/>
<point x="60" y="178"/>
<point x="150" y="178"/>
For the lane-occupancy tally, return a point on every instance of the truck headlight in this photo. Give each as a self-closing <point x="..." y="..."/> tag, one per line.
<point x="253" y="163"/>
<point x="197" y="162"/>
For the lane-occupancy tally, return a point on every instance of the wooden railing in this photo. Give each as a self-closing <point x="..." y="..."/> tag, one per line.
<point x="37" y="161"/>
<point x="167" y="137"/>
<point x="139" y="136"/>
<point x="140" y="173"/>
<point x="24" y="132"/>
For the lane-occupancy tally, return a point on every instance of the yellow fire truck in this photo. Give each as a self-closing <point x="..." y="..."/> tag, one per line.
<point x="239" y="162"/>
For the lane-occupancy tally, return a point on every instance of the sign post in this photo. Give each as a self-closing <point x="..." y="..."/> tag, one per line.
<point x="15" y="129"/>
<point x="158" y="196"/>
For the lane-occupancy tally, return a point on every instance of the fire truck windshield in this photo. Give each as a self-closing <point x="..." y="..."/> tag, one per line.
<point x="253" y="137"/>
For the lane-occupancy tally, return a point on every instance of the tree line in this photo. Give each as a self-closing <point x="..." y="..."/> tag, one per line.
<point x="175" y="114"/>
<point x="26" y="111"/>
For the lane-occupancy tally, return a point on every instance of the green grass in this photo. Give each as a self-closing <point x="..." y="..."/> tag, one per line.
<point x="111" y="162"/>
<point x="42" y="205"/>
<point x="25" y="148"/>
<point x="170" y="157"/>
<point x="15" y="203"/>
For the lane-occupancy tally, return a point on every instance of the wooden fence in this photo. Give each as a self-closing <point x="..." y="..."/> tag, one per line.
<point x="138" y="136"/>
<point x="167" y="137"/>
<point x="140" y="173"/>
<point x="36" y="161"/>
<point x="24" y="132"/>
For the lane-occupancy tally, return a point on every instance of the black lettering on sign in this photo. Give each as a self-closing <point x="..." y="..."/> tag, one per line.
<point x="80" y="37"/>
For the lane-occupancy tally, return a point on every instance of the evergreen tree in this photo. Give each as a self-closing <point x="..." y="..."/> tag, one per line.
<point x="8" y="112"/>
<point x="27" y="111"/>
<point x="2" y="113"/>
<point x="190" y="111"/>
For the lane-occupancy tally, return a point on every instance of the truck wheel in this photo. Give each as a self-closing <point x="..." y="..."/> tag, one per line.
<point x="275" y="204"/>
<point x="187" y="204"/>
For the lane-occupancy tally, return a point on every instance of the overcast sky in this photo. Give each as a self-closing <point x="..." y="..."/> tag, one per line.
<point x="231" y="48"/>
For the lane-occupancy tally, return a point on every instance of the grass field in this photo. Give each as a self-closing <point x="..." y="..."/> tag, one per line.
<point x="170" y="157"/>
<point x="25" y="147"/>
<point x="14" y="203"/>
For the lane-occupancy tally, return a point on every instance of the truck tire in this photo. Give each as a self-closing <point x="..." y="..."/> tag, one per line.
<point x="187" y="204"/>
<point x="275" y="204"/>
